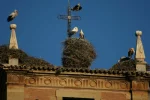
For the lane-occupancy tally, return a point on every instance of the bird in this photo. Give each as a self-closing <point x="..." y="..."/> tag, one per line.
<point x="123" y="58"/>
<point x="12" y="15"/>
<point x="81" y="34"/>
<point x="73" y="31"/>
<point x="131" y="52"/>
<point x="77" y="7"/>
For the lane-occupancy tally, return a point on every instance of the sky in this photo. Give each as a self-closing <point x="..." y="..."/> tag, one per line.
<point x="109" y="25"/>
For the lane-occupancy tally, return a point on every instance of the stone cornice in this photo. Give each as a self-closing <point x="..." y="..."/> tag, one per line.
<point x="71" y="71"/>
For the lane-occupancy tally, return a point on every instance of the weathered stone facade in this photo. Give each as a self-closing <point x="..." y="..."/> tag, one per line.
<point x="26" y="83"/>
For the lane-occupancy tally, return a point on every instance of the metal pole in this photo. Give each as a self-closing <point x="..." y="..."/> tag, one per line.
<point x="69" y="18"/>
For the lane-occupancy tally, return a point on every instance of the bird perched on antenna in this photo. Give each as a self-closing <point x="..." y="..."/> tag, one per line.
<point x="81" y="34"/>
<point x="12" y="15"/>
<point x="77" y="7"/>
<point x="73" y="31"/>
<point x="131" y="52"/>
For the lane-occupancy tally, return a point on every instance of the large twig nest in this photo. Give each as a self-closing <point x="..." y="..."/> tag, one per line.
<point x="5" y="53"/>
<point x="127" y="65"/>
<point x="24" y="59"/>
<point x="77" y="53"/>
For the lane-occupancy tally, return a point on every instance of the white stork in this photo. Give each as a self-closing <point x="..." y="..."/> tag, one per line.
<point x="131" y="52"/>
<point x="12" y="15"/>
<point x="81" y="34"/>
<point x="73" y="31"/>
<point x="77" y="7"/>
<point x="123" y="58"/>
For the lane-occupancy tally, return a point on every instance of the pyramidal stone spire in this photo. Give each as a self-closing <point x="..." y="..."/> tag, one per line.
<point x="13" y="44"/>
<point x="139" y="53"/>
<point x="13" y="40"/>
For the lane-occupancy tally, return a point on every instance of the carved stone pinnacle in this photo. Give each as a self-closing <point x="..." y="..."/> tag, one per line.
<point x="138" y="33"/>
<point x="13" y="26"/>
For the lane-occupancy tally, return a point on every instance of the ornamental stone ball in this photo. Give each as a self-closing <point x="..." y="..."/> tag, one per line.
<point x="13" y="26"/>
<point x="138" y="33"/>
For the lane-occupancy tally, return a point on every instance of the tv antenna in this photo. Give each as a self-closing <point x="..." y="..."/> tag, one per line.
<point x="68" y="17"/>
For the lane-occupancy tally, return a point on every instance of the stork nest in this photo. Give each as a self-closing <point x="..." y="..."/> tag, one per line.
<point x="127" y="65"/>
<point x="24" y="59"/>
<point x="77" y="53"/>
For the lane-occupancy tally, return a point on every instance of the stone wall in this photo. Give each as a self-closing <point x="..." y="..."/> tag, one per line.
<point x="42" y="86"/>
<point x="43" y="93"/>
<point x="39" y="93"/>
<point x="109" y="95"/>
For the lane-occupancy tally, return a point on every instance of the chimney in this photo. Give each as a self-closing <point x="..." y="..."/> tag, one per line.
<point x="139" y="53"/>
<point x="13" y="44"/>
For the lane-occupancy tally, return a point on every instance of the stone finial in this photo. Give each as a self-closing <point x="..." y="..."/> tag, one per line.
<point x="139" y="53"/>
<point x="13" y="26"/>
<point x="13" y="40"/>
<point x="138" y="33"/>
<point x="13" y="44"/>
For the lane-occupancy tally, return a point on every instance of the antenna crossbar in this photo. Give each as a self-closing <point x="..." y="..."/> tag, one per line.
<point x="65" y="17"/>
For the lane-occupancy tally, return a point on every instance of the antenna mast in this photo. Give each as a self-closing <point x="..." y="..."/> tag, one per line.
<point x="68" y="17"/>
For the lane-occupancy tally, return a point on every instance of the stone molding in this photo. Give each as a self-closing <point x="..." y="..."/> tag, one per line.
<point x="77" y="82"/>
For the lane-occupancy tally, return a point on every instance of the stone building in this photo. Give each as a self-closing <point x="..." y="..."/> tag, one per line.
<point x="20" y="82"/>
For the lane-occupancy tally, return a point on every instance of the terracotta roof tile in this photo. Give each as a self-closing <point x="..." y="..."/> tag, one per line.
<point x="55" y="69"/>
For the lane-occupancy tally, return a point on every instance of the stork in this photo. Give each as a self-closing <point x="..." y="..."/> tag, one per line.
<point x="81" y="34"/>
<point x="77" y="7"/>
<point x="12" y="15"/>
<point x="123" y="58"/>
<point x="131" y="52"/>
<point x="73" y="31"/>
